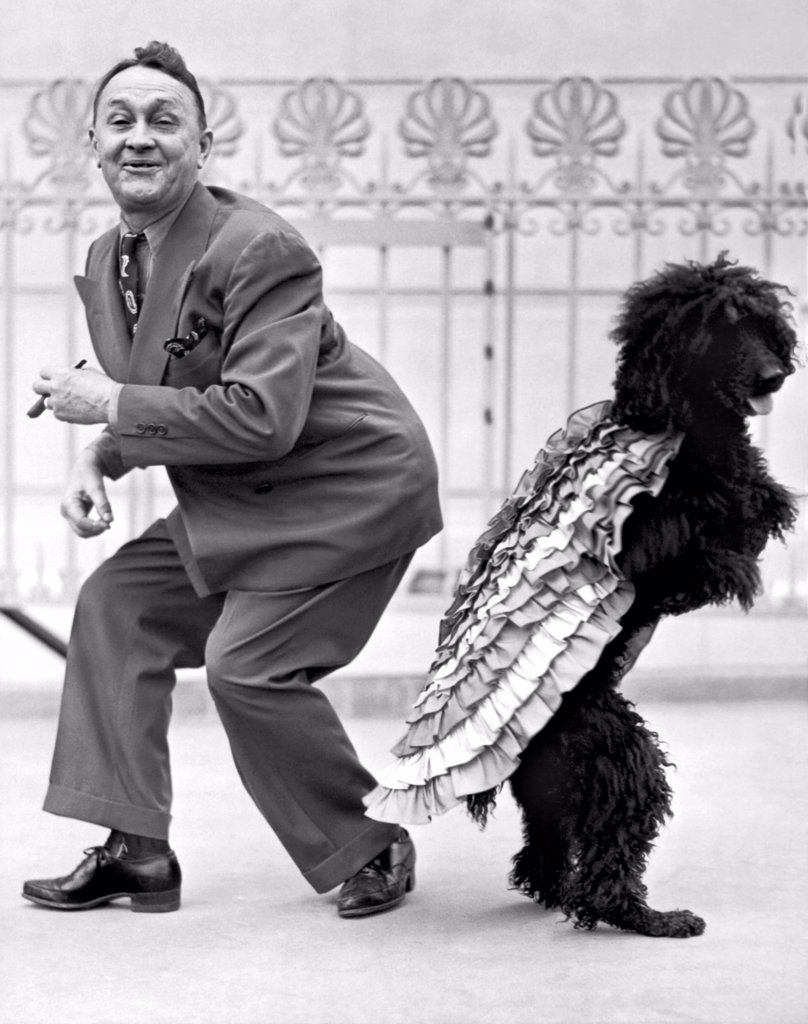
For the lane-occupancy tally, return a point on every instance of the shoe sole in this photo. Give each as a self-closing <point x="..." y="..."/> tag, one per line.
<point x="141" y="902"/>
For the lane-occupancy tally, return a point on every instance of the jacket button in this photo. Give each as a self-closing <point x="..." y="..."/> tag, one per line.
<point x="151" y="429"/>
<point x="140" y="428"/>
<point x="162" y="430"/>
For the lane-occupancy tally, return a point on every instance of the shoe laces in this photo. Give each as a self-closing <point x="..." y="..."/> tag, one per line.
<point x="375" y="867"/>
<point x="102" y="854"/>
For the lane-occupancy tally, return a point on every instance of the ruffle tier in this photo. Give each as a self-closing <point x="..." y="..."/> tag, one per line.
<point x="538" y="601"/>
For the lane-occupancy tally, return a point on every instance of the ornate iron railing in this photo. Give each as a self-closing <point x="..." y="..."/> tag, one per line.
<point x="475" y="235"/>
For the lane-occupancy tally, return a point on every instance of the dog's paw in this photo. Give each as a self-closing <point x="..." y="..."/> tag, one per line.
<point x="674" y="924"/>
<point x="670" y="924"/>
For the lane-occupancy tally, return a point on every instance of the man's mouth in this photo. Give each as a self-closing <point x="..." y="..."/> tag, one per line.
<point x="139" y="165"/>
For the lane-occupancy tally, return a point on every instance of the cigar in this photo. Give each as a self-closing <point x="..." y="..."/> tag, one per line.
<point x="39" y="405"/>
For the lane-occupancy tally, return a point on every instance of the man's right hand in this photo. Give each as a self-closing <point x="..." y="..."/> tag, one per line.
<point x="85" y="491"/>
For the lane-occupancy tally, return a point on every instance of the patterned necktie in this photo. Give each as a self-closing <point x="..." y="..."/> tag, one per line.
<point x="129" y="279"/>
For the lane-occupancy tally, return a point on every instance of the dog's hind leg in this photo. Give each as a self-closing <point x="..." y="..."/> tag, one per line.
<point x="539" y="786"/>
<point x="622" y="800"/>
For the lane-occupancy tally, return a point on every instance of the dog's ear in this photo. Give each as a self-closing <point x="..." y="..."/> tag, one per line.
<point x="659" y="341"/>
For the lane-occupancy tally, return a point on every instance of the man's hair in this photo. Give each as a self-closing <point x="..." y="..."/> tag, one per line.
<point x="164" y="58"/>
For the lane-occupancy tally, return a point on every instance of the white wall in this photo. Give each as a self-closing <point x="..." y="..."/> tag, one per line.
<point x="412" y="38"/>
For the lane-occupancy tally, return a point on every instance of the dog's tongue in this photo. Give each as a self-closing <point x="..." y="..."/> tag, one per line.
<point x="761" y="405"/>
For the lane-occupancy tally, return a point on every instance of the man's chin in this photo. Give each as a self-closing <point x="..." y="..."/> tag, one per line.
<point x="147" y="198"/>
<point x="140" y="197"/>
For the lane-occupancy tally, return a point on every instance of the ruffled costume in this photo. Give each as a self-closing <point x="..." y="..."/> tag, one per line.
<point x="536" y="604"/>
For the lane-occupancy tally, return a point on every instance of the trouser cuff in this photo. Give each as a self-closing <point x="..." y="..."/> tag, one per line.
<point x="349" y="859"/>
<point x="141" y="821"/>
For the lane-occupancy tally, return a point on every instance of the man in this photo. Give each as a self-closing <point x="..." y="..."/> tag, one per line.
<point x="304" y="482"/>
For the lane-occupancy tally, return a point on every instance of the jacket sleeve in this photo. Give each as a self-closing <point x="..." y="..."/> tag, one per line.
<point x="272" y="315"/>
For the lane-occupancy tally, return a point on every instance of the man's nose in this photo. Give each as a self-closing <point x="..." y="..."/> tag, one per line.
<point x="139" y="135"/>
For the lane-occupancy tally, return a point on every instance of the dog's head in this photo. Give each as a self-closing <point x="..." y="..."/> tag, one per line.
<point x="701" y="342"/>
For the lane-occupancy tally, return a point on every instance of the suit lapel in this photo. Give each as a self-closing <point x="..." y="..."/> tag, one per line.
<point x="102" y="300"/>
<point x="171" y="273"/>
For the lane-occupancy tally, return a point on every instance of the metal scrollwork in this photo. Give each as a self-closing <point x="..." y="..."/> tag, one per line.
<point x="448" y="122"/>
<point x="576" y="121"/>
<point x="705" y="121"/>
<point x="471" y="180"/>
<point x="321" y="122"/>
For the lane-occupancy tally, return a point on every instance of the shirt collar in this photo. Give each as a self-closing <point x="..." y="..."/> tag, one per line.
<point x="157" y="232"/>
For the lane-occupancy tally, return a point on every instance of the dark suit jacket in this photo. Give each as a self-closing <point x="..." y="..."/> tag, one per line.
<point x="295" y="458"/>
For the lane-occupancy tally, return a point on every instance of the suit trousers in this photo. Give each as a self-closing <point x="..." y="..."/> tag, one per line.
<point x="138" y="619"/>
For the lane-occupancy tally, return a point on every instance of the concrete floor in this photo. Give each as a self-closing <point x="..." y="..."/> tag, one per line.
<point x="253" y="945"/>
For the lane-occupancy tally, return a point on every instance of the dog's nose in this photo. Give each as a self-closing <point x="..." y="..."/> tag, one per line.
<point x="771" y="376"/>
<point x="772" y="379"/>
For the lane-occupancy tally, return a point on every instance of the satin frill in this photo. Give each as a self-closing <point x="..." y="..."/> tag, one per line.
<point x="539" y="599"/>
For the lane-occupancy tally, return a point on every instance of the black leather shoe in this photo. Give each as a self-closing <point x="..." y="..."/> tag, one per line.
<point x="382" y="883"/>
<point x="151" y="883"/>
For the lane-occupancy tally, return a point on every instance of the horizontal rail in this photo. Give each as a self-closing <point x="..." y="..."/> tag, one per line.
<point x="35" y="629"/>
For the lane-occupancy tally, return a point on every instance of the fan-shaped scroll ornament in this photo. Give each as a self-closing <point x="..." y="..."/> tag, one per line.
<point x="56" y="127"/>
<point x="576" y="121"/>
<point x="321" y="122"/>
<point x="223" y="119"/>
<point x="448" y="122"/>
<point x="705" y="121"/>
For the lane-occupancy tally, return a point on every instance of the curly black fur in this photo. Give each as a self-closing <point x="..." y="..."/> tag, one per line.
<point x="700" y="346"/>
<point x="698" y="343"/>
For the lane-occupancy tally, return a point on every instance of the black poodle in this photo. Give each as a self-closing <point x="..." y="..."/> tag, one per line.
<point x="653" y="504"/>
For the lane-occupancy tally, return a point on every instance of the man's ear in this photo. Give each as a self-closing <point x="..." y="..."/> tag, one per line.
<point x="94" y="144"/>
<point x="205" y="147"/>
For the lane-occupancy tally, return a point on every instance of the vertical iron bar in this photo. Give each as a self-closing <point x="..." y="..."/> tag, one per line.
<point x="637" y="228"/>
<point x="508" y="351"/>
<point x="70" y="576"/>
<point x="9" y="506"/>
<point x="510" y="226"/>
<point x="704" y="236"/>
<point x="762" y="422"/>
<point x="768" y="192"/>
<point x="489" y="372"/>
<point x="384" y="262"/>
<point x="445" y="388"/>
<point x="133" y="501"/>
<point x="149" y="497"/>
<point x="384" y="303"/>
<point x="572" y="315"/>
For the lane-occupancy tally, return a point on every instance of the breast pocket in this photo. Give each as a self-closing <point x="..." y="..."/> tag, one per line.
<point x="201" y="367"/>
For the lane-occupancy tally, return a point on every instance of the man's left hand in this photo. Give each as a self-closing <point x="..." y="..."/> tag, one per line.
<point x="76" y="396"/>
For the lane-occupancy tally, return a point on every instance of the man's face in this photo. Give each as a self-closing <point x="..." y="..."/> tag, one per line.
<point x="148" y="143"/>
